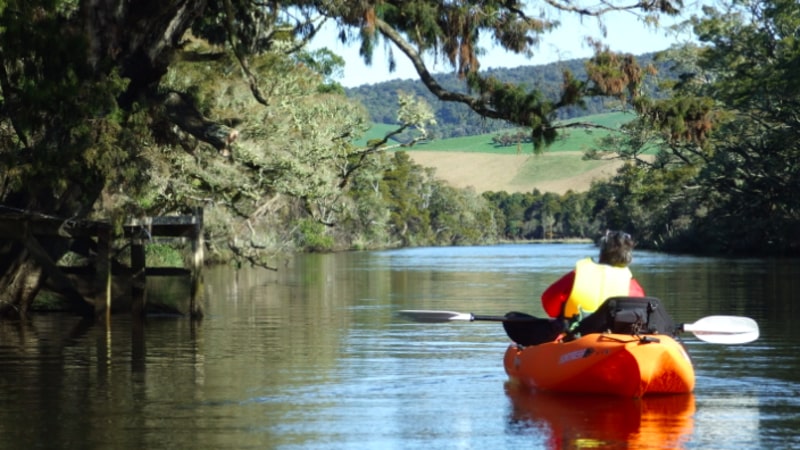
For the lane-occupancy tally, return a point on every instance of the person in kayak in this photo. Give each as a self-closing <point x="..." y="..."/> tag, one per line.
<point x="581" y="291"/>
<point x="596" y="297"/>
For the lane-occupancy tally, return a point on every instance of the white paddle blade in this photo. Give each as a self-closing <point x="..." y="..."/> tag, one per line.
<point x="419" y="315"/>
<point x="724" y="329"/>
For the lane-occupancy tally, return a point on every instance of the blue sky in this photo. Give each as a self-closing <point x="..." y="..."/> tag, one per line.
<point x="624" y="34"/>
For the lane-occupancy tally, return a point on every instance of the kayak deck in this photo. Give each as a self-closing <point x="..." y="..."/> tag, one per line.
<point x="603" y="363"/>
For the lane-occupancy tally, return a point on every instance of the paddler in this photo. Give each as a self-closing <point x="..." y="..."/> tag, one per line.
<point x="576" y="295"/>
<point x="581" y="291"/>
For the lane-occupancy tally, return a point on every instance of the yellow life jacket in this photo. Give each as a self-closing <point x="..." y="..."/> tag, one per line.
<point x="593" y="284"/>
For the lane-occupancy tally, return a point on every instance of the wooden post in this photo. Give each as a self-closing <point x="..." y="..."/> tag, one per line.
<point x="102" y="267"/>
<point x="139" y="269"/>
<point x="195" y="307"/>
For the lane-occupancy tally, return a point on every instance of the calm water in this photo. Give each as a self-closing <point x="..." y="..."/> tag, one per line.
<point x="312" y="357"/>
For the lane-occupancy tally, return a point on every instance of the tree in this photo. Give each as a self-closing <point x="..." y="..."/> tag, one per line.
<point x="90" y="101"/>
<point x="575" y="219"/>
<point x="65" y="134"/>
<point x="87" y="102"/>
<point x="752" y="57"/>
<point x="546" y="211"/>
<point x="450" y="32"/>
<point x="513" y="208"/>
<point x="289" y="173"/>
<point x="722" y="180"/>
<point x="407" y="189"/>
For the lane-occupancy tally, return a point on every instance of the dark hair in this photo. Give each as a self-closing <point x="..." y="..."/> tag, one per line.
<point x="616" y="248"/>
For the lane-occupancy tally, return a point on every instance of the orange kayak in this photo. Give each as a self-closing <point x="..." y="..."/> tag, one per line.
<point x="602" y="363"/>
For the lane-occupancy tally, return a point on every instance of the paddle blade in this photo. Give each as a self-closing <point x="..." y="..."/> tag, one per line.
<point x="724" y="329"/>
<point x="428" y="316"/>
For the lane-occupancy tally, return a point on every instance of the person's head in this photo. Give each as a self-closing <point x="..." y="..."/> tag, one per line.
<point x="616" y="248"/>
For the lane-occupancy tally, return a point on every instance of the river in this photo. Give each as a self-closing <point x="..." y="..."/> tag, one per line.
<point x="313" y="356"/>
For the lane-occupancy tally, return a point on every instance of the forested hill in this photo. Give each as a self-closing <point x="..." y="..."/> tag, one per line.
<point x="455" y="119"/>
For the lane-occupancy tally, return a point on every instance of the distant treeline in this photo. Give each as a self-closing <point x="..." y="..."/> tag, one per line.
<point x="455" y="119"/>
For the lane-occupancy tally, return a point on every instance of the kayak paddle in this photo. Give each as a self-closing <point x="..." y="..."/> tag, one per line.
<point x="714" y="329"/>
<point x="431" y="316"/>
<point x="723" y="329"/>
<point x="522" y="328"/>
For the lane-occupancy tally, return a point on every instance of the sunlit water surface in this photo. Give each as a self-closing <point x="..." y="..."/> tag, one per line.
<point x="314" y="357"/>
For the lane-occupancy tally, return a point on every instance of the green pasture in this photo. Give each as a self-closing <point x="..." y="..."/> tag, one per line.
<point x="563" y="159"/>
<point x="570" y="139"/>
<point x="377" y="131"/>
<point x="554" y="166"/>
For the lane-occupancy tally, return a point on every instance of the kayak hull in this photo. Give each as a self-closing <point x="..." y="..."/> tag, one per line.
<point x="602" y="363"/>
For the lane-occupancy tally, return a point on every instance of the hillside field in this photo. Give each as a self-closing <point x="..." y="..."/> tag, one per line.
<point x="548" y="172"/>
<point x="474" y="161"/>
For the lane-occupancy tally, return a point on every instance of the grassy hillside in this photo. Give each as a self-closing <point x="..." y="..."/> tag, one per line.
<point x="475" y="161"/>
<point x="377" y="131"/>
<point x="571" y="139"/>
<point x="579" y="139"/>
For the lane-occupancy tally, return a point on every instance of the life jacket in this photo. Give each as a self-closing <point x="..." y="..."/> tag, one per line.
<point x="593" y="284"/>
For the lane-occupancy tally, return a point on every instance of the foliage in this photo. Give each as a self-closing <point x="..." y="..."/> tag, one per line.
<point x="366" y="225"/>
<point x="162" y="255"/>
<point x="455" y="119"/>
<point x="61" y="125"/>
<point x="537" y="215"/>
<point x="406" y="191"/>
<point x="291" y="168"/>
<point x="723" y="180"/>
<point x="424" y="211"/>
<point x="752" y="57"/>
<point x="310" y="235"/>
<point x="450" y="32"/>
<point x="637" y="200"/>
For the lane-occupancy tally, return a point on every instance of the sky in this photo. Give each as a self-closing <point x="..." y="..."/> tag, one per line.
<point x="624" y="34"/>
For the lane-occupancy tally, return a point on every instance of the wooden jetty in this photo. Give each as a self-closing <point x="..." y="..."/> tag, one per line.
<point x="141" y="231"/>
<point x="30" y="229"/>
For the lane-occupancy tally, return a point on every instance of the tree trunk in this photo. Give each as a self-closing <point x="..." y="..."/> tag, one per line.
<point x="20" y="281"/>
<point x="141" y="37"/>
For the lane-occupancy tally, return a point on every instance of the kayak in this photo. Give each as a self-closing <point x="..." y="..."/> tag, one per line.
<point x="603" y="363"/>
<point x="636" y="354"/>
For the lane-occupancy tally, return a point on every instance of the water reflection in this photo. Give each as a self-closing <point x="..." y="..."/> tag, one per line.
<point x="581" y="421"/>
<point x="313" y="357"/>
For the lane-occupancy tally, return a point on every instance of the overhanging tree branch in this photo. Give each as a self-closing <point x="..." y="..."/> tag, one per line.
<point x="605" y="7"/>
<point x="181" y="111"/>
<point x="237" y="51"/>
<point x="430" y="82"/>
